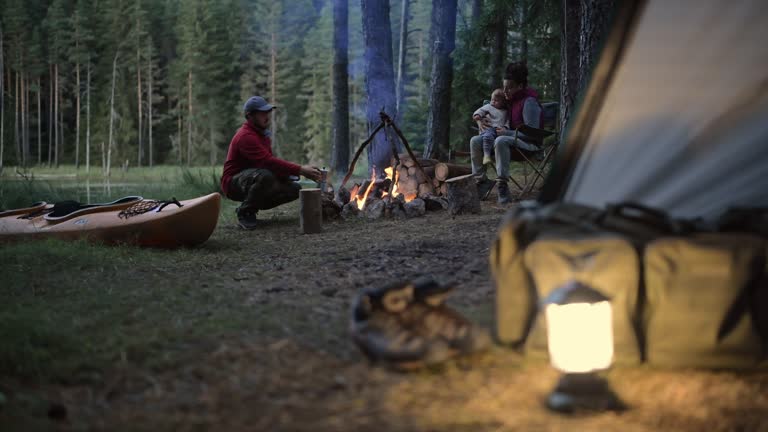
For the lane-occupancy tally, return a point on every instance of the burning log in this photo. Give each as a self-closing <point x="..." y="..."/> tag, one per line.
<point x="331" y="207"/>
<point x="342" y="196"/>
<point x="395" y="209"/>
<point x="374" y="208"/>
<point x="350" y="211"/>
<point x="415" y="208"/>
<point x="445" y="171"/>
<point x="433" y="202"/>
<point x="462" y="195"/>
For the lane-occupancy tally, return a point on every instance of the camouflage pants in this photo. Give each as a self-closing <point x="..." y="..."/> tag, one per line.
<point x="260" y="189"/>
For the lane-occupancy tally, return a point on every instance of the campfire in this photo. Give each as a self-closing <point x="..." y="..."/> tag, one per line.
<point x="391" y="195"/>
<point x="409" y="187"/>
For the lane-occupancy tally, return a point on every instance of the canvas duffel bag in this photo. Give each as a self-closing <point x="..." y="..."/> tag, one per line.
<point x="516" y="296"/>
<point x="703" y="295"/>
<point x="606" y="262"/>
<point x="614" y="250"/>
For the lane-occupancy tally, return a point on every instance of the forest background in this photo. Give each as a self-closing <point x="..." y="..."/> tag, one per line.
<point x="142" y="83"/>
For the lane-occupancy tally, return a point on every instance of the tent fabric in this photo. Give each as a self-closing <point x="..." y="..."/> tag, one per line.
<point x="684" y="120"/>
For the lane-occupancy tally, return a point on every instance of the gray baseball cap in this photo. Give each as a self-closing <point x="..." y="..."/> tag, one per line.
<point x="257" y="103"/>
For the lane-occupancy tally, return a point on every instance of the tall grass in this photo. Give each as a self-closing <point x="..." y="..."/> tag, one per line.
<point x="22" y="193"/>
<point x="200" y="182"/>
<point x="66" y="183"/>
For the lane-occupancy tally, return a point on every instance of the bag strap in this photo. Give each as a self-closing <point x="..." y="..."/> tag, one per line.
<point x="643" y="222"/>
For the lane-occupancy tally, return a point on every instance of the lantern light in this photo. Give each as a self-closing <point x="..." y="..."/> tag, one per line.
<point x="580" y="340"/>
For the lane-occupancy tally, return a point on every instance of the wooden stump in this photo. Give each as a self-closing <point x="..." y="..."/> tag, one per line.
<point x="462" y="195"/>
<point x="310" y="211"/>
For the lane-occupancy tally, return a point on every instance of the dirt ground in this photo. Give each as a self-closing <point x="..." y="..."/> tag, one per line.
<point x="301" y="372"/>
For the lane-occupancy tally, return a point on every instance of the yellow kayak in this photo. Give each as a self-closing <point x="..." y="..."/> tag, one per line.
<point x="131" y="220"/>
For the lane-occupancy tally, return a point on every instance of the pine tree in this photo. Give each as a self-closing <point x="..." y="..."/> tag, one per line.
<point x="318" y="127"/>
<point x="340" y="132"/>
<point x="37" y="69"/>
<point x="17" y="24"/>
<point x="56" y="25"/>
<point x="220" y="49"/>
<point x="190" y="33"/>
<point x="80" y="49"/>
<point x="438" y="121"/>
<point x="2" y="98"/>
<point x="379" y="77"/>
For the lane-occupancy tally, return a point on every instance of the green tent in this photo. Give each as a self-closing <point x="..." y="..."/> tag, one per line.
<point x="676" y="113"/>
<point x="675" y="118"/>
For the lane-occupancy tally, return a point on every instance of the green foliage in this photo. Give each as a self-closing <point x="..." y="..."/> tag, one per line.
<point x="201" y="181"/>
<point x="22" y="193"/>
<point x="472" y="61"/>
<point x="317" y="91"/>
<point x="234" y="49"/>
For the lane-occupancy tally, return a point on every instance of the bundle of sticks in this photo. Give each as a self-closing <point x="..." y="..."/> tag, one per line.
<point x="416" y="177"/>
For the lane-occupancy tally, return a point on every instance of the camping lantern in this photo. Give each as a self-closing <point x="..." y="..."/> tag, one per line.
<point x="580" y="340"/>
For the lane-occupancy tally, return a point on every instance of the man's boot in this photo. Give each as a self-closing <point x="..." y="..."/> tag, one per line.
<point x="246" y="219"/>
<point x="503" y="188"/>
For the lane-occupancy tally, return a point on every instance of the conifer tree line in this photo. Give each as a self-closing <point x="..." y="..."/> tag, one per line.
<point x="104" y="83"/>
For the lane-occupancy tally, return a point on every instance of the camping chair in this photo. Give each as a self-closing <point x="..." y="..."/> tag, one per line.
<point x="537" y="160"/>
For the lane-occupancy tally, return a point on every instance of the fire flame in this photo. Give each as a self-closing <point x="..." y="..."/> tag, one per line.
<point x="393" y="175"/>
<point x="361" y="202"/>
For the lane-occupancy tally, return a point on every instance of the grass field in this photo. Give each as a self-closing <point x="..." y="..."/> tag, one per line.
<point x="249" y="331"/>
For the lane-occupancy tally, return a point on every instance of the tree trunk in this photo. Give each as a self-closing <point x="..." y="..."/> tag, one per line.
<point x="88" y="119"/>
<point x="570" y="23"/>
<point x="189" y="118"/>
<point x="439" y="116"/>
<point x="595" y="19"/>
<point x="138" y="96"/>
<point x="50" y="115"/>
<point x="499" y="29"/>
<point x="24" y="125"/>
<point x="56" y="147"/>
<point x="16" y="139"/>
<point x="77" y="116"/>
<point x="39" y="124"/>
<point x="179" y="152"/>
<point x="477" y="10"/>
<point x="211" y="143"/>
<point x="111" y="117"/>
<point x="273" y="87"/>
<point x="421" y="65"/>
<point x="401" y="66"/>
<point x="340" y="131"/>
<point x="149" y="104"/>
<point x="379" y="78"/>
<point x="523" y="5"/>
<point x="2" y="100"/>
<point x="61" y="129"/>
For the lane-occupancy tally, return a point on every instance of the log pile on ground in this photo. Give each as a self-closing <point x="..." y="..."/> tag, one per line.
<point x="412" y="181"/>
<point x="421" y="185"/>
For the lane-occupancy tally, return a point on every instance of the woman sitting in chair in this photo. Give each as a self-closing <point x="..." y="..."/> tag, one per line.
<point x="523" y="108"/>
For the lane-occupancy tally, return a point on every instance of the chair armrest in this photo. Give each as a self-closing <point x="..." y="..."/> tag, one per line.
<point x="535" y="133"/>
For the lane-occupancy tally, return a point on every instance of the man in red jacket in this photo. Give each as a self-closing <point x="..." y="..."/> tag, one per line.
<point x="252" y="174"/>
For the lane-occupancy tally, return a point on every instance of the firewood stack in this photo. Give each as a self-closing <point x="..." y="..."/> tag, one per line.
<point x="412" y="182"/>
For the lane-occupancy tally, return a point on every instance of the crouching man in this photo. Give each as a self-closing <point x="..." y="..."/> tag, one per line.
<point x="252" y="174"/>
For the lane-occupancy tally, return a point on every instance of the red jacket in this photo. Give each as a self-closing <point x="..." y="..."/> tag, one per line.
<point x="250" y="148"/>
